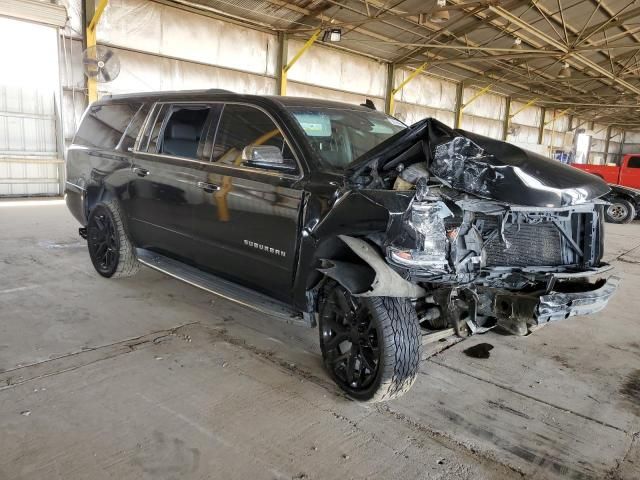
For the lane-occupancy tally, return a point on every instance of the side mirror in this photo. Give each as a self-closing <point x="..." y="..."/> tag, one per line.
<point x="266" y="156"/>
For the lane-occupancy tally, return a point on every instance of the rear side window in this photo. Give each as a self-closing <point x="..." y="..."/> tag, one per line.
<point x="634" y="162"/>
<point x="104" y="125"/>
<point x="183" y="130"/>
<point x="132" y="131"/>
<point x="242" y="126"/>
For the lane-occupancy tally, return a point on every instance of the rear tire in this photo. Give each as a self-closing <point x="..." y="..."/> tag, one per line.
<point x="111" y="251"/>
<point x="620" y="211"/>
<point x="371" y="346"/>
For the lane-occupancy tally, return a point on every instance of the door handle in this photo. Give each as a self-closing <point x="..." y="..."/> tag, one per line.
<point x="141" y="172"/>
<point x="208" y="187"/>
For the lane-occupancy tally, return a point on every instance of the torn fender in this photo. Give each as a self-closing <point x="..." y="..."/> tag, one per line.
<point x="385" y="281"/>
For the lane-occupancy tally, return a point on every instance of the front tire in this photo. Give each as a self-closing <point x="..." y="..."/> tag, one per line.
<point x="620" y="211"/>
<point x="370" y="346"/>
<point x="111" y="251"/>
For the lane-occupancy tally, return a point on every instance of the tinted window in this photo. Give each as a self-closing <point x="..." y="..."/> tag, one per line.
<point x="182" y="132"/>
<point x="242" y="126"/>
<point x="130" y="135"/>
<point x="103" y="125"/>
<point x="340" y="135"/>
<point x="634" y="162"/>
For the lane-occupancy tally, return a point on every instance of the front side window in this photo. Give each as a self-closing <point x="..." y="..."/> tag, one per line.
<point x="339" y="136"/>
<point x="634" y="162"/>
<point x="182" y="132"/>
<point x="248" y="130"/>
<point x="104" y="125"/>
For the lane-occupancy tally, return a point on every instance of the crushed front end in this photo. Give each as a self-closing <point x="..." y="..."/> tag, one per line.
<point x="494" y="234"/>
<point x="485" y="262"/>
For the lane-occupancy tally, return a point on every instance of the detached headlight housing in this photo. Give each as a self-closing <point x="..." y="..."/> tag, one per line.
<point x="420" y="241"/>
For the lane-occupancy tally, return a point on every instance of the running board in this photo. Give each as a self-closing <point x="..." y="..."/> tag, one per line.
<point x="220" y="287"/>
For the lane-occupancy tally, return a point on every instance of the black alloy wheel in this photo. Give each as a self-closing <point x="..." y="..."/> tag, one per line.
<point x="103" y="241"/>
<point x="349" y="340"/>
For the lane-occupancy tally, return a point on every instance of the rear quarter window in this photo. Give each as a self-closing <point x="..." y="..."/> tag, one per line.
<point x="104" y="125"/>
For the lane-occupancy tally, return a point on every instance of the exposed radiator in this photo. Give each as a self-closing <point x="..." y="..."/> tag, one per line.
<point x="526" y="245"/>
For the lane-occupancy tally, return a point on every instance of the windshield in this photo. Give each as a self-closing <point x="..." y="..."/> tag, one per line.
<point x="340" y="135"/>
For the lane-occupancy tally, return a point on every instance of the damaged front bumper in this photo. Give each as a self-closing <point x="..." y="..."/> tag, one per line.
<point x="574" y="295"/>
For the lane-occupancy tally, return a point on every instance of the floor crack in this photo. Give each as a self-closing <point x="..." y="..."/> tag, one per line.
<point x="131" y="344"/>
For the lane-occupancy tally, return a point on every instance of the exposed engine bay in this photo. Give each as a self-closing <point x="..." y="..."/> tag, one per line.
<point x="490" y="233"/>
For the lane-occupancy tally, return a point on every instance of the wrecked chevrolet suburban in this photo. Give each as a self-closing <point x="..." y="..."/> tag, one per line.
<point x="338" y="214"/>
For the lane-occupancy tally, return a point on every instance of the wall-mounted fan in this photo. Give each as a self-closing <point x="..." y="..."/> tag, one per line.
<point x="100" y="63"/>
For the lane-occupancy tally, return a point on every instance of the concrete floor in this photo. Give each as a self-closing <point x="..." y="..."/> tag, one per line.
<point x="149" y="378"/>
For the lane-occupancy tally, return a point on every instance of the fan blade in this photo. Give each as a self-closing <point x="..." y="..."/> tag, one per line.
<point x="107" y="56"/>
<point x="105" y="75"/>
<point x="89" y="61"/>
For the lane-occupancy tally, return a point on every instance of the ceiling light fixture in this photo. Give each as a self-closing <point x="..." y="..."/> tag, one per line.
<point x="517" y="43"/>
<point x="565" y="71"/>
<point x="440" y="16"/>
<point x="332" y="35"/>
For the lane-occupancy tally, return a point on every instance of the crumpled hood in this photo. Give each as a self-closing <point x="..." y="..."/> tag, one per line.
<point x="484" y="167"/>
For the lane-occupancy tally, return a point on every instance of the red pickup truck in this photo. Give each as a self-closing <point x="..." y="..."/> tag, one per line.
<point x="627" y="174"/>
<point x="623" y="179"/>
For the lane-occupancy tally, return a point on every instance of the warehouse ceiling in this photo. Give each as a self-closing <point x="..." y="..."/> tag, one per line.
<point x="580" y="55"/>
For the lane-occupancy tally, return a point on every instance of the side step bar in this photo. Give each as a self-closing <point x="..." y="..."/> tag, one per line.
<point x="220" y="287"/>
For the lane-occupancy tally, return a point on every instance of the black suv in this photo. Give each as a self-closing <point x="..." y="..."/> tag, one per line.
<point x="337" y="214"/>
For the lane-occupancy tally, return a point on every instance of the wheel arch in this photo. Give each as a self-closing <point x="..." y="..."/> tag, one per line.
<point x="96" y="194"/>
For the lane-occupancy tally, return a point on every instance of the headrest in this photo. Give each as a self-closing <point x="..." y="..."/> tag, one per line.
<point x="182" y="131"/>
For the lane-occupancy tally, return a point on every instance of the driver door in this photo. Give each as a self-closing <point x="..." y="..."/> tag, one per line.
<point x="247" y="228"/>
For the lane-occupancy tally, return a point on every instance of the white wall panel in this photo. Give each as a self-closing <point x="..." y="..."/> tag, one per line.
<point x="426" y="91"/>
<point x="482" y="126"/>
<point x="410" y="114"/>
<point x="163" y="30"/>
<point x="632" y="137"/>
<point x="563" y="140"/>
<point x="141" y="72"/>
<point x="486" y="106"/>
<point x="529" y="116"/>
<point x="334" y="69"/>
<point x="295" y="89"/>
<point x="631" y="148"/>
<point x="555" y="121"/>
<point x="523" y="134"/>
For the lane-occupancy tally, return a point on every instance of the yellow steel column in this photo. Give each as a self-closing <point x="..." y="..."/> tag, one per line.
<point x="283" y="75"/>
<point x="480" y="93"/>
<point x="92" y="89"/>
<point x="511" y="115"/>
<point x="414" y="74"/>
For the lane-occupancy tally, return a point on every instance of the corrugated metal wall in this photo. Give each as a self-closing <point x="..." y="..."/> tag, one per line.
<point x="30" y="157"/>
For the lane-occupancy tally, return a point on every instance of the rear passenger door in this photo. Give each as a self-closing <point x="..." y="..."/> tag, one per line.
<point x="247" y="229"/>
<point x="165" y="173"/>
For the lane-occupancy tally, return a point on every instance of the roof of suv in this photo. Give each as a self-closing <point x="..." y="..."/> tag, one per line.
<point x="226" y="95"/>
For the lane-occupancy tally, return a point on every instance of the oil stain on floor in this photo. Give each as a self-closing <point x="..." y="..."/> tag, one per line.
<point x="631" y="390"/>
<point x="481" y="350"/>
